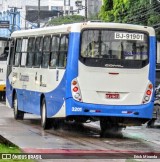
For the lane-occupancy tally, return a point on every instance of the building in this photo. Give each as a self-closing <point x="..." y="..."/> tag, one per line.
<point x="27" y="11"/>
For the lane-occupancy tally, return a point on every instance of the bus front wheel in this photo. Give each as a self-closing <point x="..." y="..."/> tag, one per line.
<point x="46" y="123"/>
<point x="18" y="115"/>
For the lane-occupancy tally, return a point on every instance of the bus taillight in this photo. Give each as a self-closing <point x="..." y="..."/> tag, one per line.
<point x="150" y="86"/>
<point x="76" y="93"/>
<point x="148" y="93"/>
<point x="75" y="89"/>
<point x="74" y="82"/>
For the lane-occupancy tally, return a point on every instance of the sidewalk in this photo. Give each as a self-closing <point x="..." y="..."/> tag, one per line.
<point x="32" y="139"/>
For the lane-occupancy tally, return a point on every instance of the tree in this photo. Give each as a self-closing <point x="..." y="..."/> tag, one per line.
<point x="66" y="20"/>
<point x="130" y="11"/>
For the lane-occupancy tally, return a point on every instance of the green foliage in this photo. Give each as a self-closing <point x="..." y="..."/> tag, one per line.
<point x="130" y="11"/>
<point x="66" y="20"/>
<point x="114" y="12"/>
<point x="7" y="148"/>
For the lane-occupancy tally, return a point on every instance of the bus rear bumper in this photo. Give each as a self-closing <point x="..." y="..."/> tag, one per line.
<point x="75" y="108"/>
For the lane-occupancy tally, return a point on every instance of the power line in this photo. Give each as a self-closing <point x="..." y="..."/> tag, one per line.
<point x="146" y="13"/>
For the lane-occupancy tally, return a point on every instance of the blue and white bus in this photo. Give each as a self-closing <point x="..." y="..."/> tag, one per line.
<point x="83" y="72"/>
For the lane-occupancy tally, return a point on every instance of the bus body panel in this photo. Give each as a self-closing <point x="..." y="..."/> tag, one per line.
<point x="129" y="84"/>
<point x="29" y="91"/>
<point x="92" y="101"/>
<point x="95" y="110"/>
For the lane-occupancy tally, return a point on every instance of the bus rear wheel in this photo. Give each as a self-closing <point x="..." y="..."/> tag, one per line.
<point x="151" y="123"/>
<point x="18" y="115"/>
<point x="110" y="129"/>
<point x="46" y="123"/>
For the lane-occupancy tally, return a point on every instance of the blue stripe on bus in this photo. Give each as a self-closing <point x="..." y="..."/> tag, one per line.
<point x="152" y="60"/>
<point x="72" y="63"/>
<point x="86" y="109"/>
<point x="56" y="98"/>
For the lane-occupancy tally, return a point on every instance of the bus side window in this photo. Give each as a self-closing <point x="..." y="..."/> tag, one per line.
<point x="38" y="51"/>
<point x="11" y="56"/>
<point x="54" y="51"/>
<point x="63" y="51"/>
<point x="18" y="52"/>
<point x="46" y="51"/>
<point x="24" y="51"/>
<point x="30" y="51"/>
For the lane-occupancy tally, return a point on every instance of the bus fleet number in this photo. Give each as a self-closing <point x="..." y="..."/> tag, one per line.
<point x="76" y="109"/>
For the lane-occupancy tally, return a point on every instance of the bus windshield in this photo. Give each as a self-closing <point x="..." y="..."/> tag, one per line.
<point x="108" y="48"/>
<point x="4" y="49"/>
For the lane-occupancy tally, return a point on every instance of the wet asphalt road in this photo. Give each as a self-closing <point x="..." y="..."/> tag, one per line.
<point x="73" y="137"/>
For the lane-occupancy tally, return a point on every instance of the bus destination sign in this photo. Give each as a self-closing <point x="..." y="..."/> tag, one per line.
<point x="4" y="24"/>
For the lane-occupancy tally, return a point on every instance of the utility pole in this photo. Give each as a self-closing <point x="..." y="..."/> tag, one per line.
<point x="14" y="12"/>
<point x="86" y="9"/>
<point x="38" y="21"/>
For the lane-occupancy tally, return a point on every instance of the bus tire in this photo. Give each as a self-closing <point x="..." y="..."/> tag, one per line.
<point x="150" y="124"/>
<point x="46" y="123"/>
<point x="3" y="95"/>
<point x="18" y="115"/>
<point x="109" y="129"/>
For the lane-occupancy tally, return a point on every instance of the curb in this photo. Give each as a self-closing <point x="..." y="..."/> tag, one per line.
<point x="6" y="141"/>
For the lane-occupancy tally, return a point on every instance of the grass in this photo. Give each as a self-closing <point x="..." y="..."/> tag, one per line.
<point x="7" y="149"/>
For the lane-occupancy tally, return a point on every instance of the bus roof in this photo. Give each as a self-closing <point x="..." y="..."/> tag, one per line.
<point x="77" y="27"/>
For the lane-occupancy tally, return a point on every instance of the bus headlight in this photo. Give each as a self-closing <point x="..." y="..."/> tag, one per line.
<point x="76" y="93"/>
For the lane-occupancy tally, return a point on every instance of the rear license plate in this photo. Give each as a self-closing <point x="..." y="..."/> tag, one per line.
<point x="112" y="95"/>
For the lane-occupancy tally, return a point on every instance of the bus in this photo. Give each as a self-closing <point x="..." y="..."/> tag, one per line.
<point x="83" y="72"/>
<point x="4" y="47"/>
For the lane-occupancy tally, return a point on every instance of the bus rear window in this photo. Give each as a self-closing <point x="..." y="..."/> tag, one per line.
<point x="108" y="48"/>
